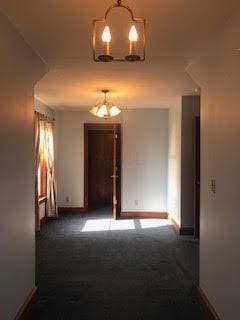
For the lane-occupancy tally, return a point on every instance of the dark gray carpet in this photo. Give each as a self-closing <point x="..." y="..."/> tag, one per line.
<point x="140" y="274"/>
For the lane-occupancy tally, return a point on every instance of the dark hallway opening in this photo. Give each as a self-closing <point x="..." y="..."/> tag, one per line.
<point x="197" y="159"/>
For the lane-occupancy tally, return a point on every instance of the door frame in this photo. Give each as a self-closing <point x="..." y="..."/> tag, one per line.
<point x="100" y="126"/>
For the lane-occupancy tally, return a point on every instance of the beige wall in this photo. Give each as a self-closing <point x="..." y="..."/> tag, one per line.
<point x="20" y="70"/>
<point x="144" y="160"/>
<point x="217" y="71"/>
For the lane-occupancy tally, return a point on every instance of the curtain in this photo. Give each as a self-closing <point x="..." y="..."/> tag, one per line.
<point x="37" y="162"/>
<point x="44" y="151"/>
<point x="51" y="181"/>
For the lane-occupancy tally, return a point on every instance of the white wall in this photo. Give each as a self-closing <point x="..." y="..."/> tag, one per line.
<point x="43" y="108"/>
<point x="145" y="160"/>
<point x="20" y="70"/>
<point x="218" y="74"/>
<point x="144" y="131"/>
<point x="174" y="161"/>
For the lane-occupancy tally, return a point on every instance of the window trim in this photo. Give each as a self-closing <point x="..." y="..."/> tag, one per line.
<point x="42" y="199"/>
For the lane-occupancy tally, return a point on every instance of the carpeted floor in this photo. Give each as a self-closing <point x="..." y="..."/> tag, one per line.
<point x="90" y="268"/>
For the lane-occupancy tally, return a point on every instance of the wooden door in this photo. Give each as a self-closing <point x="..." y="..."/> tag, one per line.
<point x="100" y="168"/>
<point x="92" y="190"/>
<point x="197" y="179"/>
<point x="116" y="172"/>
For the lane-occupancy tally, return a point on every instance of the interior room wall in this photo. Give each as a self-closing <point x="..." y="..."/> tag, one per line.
<point x="174" y="161"/>
<point x="217" y="72"/>
<point x="144" y="132"/>
<point x="145" y="160"/>
<point x="190" y="110"/>
<point x="20" y="70"/>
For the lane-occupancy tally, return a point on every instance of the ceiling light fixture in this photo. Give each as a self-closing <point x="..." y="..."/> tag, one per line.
<point x="136" y="45"/>
<point x="106" y="109"/>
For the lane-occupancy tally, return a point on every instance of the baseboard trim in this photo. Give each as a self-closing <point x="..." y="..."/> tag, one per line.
<point x="21" y="315"/>
<point x="186" y="231"/>
<point x="62" y="210"/>
<point x="207" y="305"/>
<point x="144" y="215"/>
<point x="182" y="231"/>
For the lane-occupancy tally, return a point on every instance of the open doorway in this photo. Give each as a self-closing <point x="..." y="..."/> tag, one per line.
<point x="102" y="162"/>
<point x="197" y="178"/>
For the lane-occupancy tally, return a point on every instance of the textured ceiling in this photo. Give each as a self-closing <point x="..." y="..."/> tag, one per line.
<point x="60" y="31"/>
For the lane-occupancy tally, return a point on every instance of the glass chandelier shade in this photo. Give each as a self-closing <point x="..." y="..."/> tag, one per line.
<point x="105" y="109"/>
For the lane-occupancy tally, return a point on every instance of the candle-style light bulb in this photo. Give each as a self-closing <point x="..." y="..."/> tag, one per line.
<point x="133" y="35"/>
<point x="106" y="39"/>
<point x="133" y="38"/>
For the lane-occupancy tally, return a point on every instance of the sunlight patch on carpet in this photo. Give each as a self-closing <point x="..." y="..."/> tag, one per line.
<point x="95" y="225"/>
<point x="154" y="223"/>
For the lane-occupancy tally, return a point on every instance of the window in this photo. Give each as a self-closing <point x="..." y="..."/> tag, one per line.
<point x="44" y="167"/>
<point x="46" y="156"/>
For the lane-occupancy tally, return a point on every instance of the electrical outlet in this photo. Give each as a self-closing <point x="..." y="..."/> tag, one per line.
<point x="136" y="202"/>
<point x="213" y="186"/>
<point x="67" y="199"/>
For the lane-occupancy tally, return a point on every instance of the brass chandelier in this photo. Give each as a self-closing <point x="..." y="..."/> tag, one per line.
<point x="134" y="47"/>
<point x="105" y="109"/>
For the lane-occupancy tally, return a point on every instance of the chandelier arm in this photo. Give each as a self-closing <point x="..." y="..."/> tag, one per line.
<point x="105" y="96"/>
<point x="117" y="5"/>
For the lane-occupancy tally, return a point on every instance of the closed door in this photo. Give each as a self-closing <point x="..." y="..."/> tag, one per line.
<point x="100" y="168"/>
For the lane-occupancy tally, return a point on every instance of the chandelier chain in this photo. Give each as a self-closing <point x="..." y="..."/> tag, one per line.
<point x="119" y="2"/>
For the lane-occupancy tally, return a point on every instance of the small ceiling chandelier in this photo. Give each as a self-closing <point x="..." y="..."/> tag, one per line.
<point x="133" y="49"/>
<point x="106" y="109"/>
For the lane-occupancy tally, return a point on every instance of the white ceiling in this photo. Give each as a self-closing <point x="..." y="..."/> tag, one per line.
<point x="60" y="31"/>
